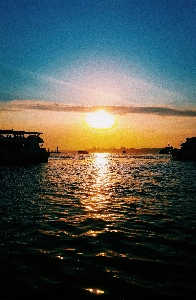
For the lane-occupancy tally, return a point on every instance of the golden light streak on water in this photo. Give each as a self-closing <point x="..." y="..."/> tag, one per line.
<point x="95" y="291"/>
<point x="97" y="203"/>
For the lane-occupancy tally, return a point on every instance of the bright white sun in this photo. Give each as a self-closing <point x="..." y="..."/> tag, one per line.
<point x="100" y="119"/>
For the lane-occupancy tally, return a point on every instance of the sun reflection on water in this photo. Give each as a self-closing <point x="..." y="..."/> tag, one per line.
<point x="101" y="159"/>
<point x="96" y="203"/>
<point x="95" y="291"/>
<point x="101" y="164"/>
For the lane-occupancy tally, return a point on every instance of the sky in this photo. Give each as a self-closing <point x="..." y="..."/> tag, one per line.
<point x="61" y="59"/>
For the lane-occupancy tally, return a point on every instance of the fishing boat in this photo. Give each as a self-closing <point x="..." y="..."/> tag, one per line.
<point x="187" y="150"/>
<point x="166" y="150"/>
<point x="21" y="147"/>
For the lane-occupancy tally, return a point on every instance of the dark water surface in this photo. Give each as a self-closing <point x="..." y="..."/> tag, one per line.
<point x="98" y="227"/>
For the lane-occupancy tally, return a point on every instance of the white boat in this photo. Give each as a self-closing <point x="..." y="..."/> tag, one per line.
<point x="187" y="150"/>
<point x="21" y="147"/>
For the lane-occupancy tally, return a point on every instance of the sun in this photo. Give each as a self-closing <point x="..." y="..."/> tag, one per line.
<point x="100" y="119"/>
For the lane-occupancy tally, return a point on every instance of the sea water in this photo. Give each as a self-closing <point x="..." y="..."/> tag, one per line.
<point x="98" y="226"/>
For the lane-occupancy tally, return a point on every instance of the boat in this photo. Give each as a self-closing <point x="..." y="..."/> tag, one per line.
<point x="166" y="150"/>
<point x="82" y="152"/>
<point x="187" y="150"/>
<point x="21" y="147"/>
<point x="56" y="152"/>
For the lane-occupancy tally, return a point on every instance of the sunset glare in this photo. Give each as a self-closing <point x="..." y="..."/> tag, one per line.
<point x="100" y="120"/>
<point x="98" y="149"/>
<point x="99" y="74"/>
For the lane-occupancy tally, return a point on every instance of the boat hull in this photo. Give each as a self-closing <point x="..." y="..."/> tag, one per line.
<point x="21" y="147"/>
<point x="184" y="158"/>
<point x="166" y="150"/>
<point x="23" y="159"/>
<point x="178" y="155"/>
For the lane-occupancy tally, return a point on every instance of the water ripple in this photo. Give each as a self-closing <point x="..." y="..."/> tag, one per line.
<point x="98" y="226"/>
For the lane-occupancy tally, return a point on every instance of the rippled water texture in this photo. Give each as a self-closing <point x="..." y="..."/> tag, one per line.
<point x="98" y="227"/>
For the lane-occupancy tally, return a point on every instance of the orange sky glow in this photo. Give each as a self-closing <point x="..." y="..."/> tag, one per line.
<point x="69" y="131"/>
<point x="60" y="62"/>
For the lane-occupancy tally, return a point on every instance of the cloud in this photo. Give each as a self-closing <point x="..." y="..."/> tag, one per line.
<point x="18" y="105"/>
<point x="162" y="111"/>
<point x="89" y="84"/>
<point x="111" y="87"/>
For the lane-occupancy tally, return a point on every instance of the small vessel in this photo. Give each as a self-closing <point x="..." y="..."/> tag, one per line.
<point x="57" y="151"/>
<point x="166" y="150"/>
<point x="21" y="147"/>
<point x="82" y="152"/>
<point x="187" y="150"/>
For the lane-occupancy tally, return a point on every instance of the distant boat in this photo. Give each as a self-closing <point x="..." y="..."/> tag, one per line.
<point x="57" y="151"/>
<point x="187" y="150"/>
<point x="82" y="152"/>
<point x="166" y="150"/>
<point x="21" y="147"/>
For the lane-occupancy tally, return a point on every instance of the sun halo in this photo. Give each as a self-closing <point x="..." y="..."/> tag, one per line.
<point x="100" y="119"/>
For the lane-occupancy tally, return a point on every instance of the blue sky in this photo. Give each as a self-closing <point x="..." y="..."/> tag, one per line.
<point x="103" y="52"/>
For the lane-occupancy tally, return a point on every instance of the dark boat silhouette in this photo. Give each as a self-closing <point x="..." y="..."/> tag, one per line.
<point x="21" y="147"/>
<point x="82" y="152"/>
<point x="187" y="150"/>
<point x="166" y="150"/>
